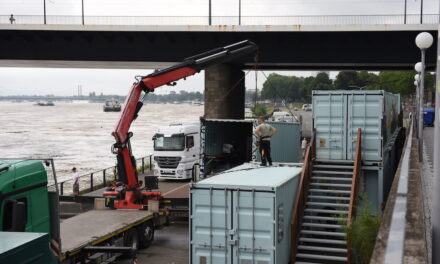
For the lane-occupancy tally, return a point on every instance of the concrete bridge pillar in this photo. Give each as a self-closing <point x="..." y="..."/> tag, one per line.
<point x="224" y="92"/>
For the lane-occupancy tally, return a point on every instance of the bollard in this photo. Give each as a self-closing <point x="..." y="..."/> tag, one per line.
<point x="143" y="166"/>
<point x="103" y="177"/>
<point x="91" y="181"/>
<point x="62" y="188"/>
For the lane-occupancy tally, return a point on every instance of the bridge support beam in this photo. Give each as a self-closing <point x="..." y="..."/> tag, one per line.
<point x="224" y="92"/>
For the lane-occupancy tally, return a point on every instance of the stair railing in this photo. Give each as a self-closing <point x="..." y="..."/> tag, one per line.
<point x="301" y="197"/>
<point x="354" y="186"/>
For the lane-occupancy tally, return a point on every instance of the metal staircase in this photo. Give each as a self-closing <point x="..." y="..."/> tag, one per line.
<point x="325" y="203"/>
<point x="322" y="239"/>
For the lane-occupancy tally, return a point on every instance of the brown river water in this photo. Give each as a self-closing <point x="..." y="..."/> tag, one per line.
<point x="78" y="134"/>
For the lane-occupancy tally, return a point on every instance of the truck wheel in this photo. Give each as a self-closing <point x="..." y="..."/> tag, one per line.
<point x="146" y="234"/>
<point x="167" y="221"/>
<point x="131" y="239"/>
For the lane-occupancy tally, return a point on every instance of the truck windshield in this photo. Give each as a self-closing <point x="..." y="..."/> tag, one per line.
<point x="175" y="142"/>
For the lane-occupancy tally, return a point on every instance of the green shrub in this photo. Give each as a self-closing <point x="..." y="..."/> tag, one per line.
<point x="146" y="167"/>
<point x="259" y="110"/>
<point x="362" y="232"/>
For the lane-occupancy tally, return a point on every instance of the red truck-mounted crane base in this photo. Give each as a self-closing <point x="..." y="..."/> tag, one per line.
<point x="132" y="200"/>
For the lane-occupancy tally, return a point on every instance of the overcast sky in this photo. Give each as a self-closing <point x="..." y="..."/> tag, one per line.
<point x="66" y="81"/>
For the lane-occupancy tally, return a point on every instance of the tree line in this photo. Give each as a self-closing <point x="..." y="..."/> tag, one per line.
<point x="299" y="89"/>
<point x="174" y="96"/>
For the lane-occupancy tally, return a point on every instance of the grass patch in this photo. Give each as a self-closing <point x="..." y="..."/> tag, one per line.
<point x="362" y="232"/>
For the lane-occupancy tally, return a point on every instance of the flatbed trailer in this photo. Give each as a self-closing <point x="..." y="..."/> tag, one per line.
<point x="99" y="235"/>
<point x="105" y="227"/>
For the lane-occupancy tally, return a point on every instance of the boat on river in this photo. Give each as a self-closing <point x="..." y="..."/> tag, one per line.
<point x="112" y="106"/>
<point x="48" y="103"/>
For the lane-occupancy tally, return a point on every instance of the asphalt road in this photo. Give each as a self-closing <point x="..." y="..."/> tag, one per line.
<point x="170" y="246"/>
<point x="428" y="138"/>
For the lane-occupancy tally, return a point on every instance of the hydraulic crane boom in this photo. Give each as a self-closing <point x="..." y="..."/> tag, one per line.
<point x="129" y="195"/>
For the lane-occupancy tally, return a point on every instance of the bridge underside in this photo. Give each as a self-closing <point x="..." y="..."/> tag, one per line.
<point x="367" y="49"/>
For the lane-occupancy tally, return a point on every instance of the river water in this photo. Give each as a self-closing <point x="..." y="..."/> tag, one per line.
<point x="78" y="134"/>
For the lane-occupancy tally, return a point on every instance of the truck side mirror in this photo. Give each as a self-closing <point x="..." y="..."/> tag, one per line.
<point x="18" y="216"/>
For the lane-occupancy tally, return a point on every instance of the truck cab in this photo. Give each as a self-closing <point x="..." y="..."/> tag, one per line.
<point x="24" y="201"/>
<point x="25" y="214"/>
<point x="176" y="150"/>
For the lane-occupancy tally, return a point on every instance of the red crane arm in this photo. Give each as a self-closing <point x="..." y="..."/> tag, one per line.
<point x="133" y="103"/>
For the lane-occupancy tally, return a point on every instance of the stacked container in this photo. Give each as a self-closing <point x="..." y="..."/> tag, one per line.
<point x="337" y="115"/>
<point x="243" y="215"/>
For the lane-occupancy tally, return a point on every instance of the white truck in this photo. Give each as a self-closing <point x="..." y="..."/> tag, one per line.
<point x="281" y="116"/>
<point x="176" y="151"/>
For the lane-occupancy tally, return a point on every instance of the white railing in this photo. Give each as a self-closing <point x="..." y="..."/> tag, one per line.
<point x="223" y="20"/>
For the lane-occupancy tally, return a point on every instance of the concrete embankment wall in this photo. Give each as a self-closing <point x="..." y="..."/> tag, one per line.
<point x="416" y="240"/>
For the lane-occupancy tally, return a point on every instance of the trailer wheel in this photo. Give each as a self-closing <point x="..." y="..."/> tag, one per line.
<point x="131" y="239"/>
<point x="146" y="234"/>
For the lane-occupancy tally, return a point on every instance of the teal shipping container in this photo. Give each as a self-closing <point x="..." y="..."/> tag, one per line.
<point x="286" y="144"/>
<point x="338" y="114"/>
<point x="226" y="143"/>
<point x="243" y="215"/>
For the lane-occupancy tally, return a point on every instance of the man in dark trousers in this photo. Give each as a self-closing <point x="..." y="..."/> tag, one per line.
<point x="12" y="19"/>
<point x="265" y="131"/>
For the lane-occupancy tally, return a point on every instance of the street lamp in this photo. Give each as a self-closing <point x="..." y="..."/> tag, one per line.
<point x="416" y="114"/>
<point x="417" y="76"/>
<point x="418" y="67"/>
<point x="423" y="41"/>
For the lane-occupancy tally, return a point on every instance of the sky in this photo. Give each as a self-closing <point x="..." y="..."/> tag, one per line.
<point x="41" y="81"/>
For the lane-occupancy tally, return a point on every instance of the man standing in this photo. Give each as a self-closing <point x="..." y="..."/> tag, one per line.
<point x="12" y="19"/>
<point x="265" y="132"/>
<point x="303" y="147"/>
<point x="75" y="178"/>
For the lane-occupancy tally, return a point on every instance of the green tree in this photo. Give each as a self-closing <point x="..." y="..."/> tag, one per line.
<point x="367" y="79"/>
<point x="259" y="110"/>
<point x="346" y="80"/>
<point x="396" y="82"/>
<point x="322" y="82"/>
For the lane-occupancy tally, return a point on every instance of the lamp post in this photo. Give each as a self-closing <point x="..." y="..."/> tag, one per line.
<point x="416" y="113"/>
<point x="404" y="15"/>
<point x="44" y="11"/>
<point x="423" y="41"/>
<point x="82" y="11"/>
<point x="418" y="68"/>
<point x="210" y="15"/>
<point x="239" y="12"/>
